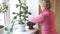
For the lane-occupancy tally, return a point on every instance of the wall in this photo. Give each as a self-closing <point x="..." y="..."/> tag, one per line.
<point x="57" y="13"/>
<point x="53" y="5"/>
<point x="56" y="9"/>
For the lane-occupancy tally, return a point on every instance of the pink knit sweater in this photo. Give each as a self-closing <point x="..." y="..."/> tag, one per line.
<point x="47" y="21"/>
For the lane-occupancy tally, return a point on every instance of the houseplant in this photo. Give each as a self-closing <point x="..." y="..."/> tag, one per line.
<point x="22" y="15"/>
<point x="21" y="21"/>
<point x="30" y="24"/>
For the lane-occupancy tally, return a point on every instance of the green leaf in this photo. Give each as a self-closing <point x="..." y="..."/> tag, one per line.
<point x="29" y="13"/>
<point x="20" y="12"/>
<point x="14" y="13"/>
<point x="6" y="29"/>
<point x="19" y="15"/>
<point x="15" y="17"/>
<point x="26" y="7"/>
<point x="23" y="7"/>
<point x="17" y="5"/>
<point x="26" y="16"/>
<point x="25" y="11"/>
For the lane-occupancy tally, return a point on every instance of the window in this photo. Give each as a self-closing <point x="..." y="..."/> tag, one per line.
<point x="32" y="7"/>
<point x="1" y="16"/>
<point x="13" y="7"/>
<point x="7" y="17"/>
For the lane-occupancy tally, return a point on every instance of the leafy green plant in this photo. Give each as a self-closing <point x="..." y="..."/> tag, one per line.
<point x="22" y="14"/>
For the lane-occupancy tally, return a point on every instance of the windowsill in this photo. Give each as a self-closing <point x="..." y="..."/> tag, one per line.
<point x="26" y="32"/>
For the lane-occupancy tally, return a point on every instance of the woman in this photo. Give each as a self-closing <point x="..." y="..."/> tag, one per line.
<point x="46" y="18"/>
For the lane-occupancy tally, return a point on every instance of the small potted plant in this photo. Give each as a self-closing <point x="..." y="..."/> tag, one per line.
<point x="30" y="24"/>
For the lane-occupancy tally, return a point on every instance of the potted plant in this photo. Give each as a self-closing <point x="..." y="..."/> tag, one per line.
<point x="30" y="24"/>
<point x="22" y="15"/>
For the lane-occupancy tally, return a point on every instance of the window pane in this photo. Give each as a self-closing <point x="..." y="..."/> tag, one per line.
<point x="1" y="19"/>
<point x="1" y="16"/>
<point x="13" y="7"/>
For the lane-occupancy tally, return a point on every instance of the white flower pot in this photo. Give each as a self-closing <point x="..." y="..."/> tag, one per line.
<point x="20" y="27"/>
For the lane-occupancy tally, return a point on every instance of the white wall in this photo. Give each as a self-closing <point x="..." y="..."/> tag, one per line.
<point x="33" y="8"/>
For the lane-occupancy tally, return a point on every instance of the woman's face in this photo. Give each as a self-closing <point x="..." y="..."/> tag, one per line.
<point x="45" y="4"/>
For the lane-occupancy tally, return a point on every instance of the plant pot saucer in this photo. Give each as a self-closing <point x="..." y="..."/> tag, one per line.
<point x="23" y="31"/>
<point x="31" y="28"/>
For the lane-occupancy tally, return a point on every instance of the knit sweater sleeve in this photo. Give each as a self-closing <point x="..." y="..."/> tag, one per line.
<point x="37" y="19"/>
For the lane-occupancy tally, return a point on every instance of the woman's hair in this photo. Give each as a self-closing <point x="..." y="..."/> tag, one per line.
<point x="48" y="4"/>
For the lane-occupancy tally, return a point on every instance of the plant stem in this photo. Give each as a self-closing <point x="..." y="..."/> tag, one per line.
<point x="20" y="10"/>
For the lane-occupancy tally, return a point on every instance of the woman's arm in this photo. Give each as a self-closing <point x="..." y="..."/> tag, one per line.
<point x="36" y="19"/>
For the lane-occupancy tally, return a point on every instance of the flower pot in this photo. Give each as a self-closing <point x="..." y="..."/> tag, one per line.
<point x="20" y="27"/>
<point x="30" y="27"/>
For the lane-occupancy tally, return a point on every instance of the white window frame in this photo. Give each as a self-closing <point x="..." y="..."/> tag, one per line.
<point x="7" y="14"/>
